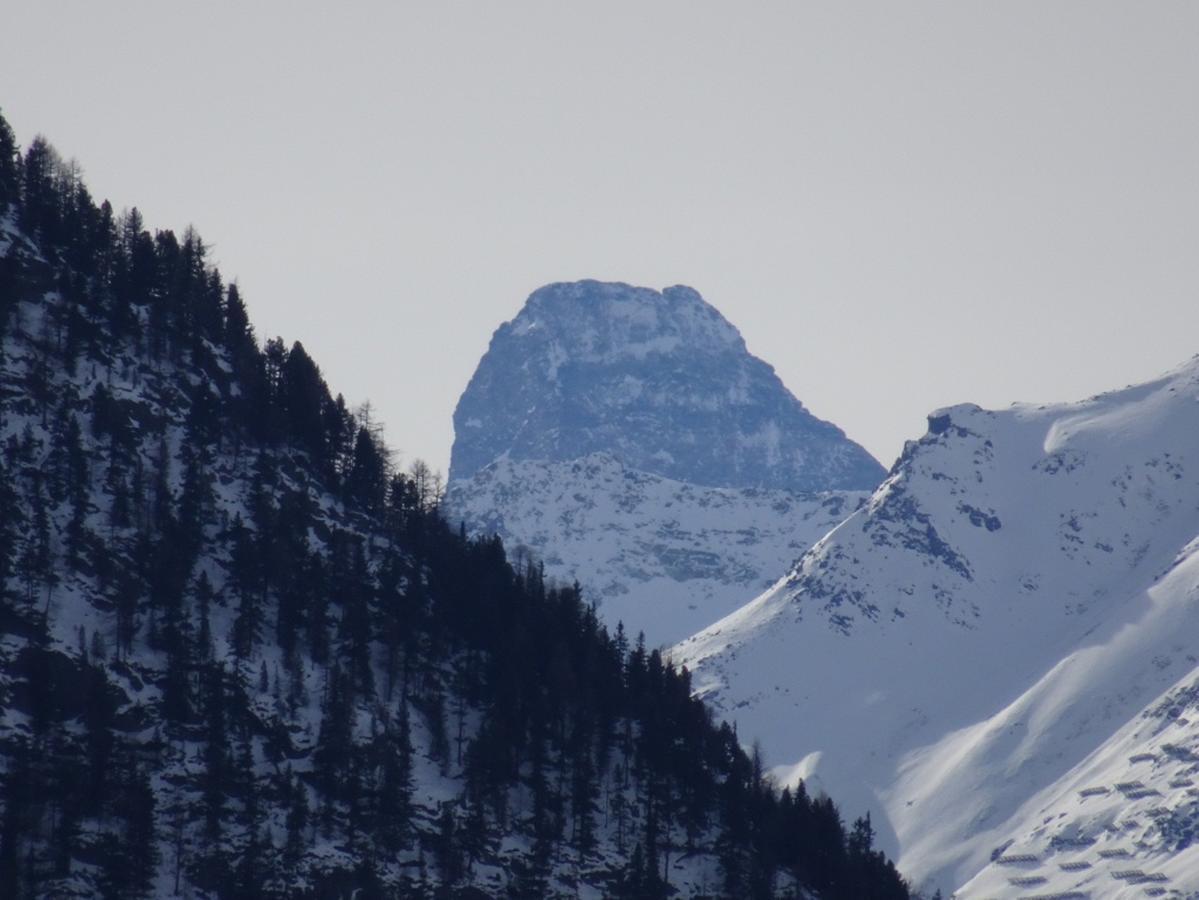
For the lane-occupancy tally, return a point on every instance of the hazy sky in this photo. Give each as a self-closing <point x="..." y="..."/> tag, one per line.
<point x="901" y="205"/>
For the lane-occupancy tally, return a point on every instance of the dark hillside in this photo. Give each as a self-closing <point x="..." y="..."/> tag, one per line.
<point x="242" y="655"/>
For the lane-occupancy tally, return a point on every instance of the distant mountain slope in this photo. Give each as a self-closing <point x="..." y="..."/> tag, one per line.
<point x="662" y="556"/>
<point x="1125" y="821"/>
<point x="658" y="379"/>
<point x="1010" y="596"/>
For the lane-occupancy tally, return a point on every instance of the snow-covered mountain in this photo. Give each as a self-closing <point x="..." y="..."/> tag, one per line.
<point x="662" y="556"/>
<point x="1123" y="823"/>
<point x="659" y="379"/>
<point x="629" y="439"/>
<point x="1017" y="590"/>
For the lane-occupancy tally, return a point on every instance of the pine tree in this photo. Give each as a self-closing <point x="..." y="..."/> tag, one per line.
<point x="204" y="598"/>
<point x="130" y="855"/>
<point x="395" y="790"/>
<point x="41" y="212"/>
<point x="335" y="740"/>
<point x="351" y="581"/>
<point x="447" y="851"/>
<point x="17" y="822"/>
<point x="366" y="482"/>
<point x="254" y="862"/>
<point x="197" y="500"/>
<point x="126" y="593"/>
<point x="11" y="517"/>
<point x="10" y="172"/>
<point x="304" y="395"/>
<point x="162" y="513"/>
<point x="861" y="837"/>
<point x="296" y="845"/>
<point x="37" y="561"/>
<point x="178" y="647"/>
<point x="317" y="596"/>
<point x="289" y="561"/>
<point x="214" y="782"/>
<point x="245" y="573"/>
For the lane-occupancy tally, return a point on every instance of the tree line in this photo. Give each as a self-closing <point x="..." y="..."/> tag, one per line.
<point x="238" y="645"/>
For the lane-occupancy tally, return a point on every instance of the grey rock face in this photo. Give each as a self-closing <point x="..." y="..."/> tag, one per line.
<point x="661" y="380"/>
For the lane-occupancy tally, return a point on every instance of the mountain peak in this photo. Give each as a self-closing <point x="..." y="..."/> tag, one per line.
<point x="606" y="319"/>
<point x="659" y="379"/>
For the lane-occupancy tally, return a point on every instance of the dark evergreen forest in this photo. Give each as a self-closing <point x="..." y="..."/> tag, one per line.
<point x="242" y="655"/>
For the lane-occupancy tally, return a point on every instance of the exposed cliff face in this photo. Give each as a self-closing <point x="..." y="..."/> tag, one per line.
<point x="660" y="380"/>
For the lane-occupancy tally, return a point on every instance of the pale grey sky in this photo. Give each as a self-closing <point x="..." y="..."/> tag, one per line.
<point x="901" y="205"/>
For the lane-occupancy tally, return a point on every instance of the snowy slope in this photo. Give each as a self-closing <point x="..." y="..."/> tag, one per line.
<point x="997" y="611"/>
<point x="664" y="557"/>
<point x="1122" y="823"/>
<point x="661" y="380"/>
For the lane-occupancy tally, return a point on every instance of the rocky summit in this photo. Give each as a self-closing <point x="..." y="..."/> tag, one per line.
<point x="659" y="379"/>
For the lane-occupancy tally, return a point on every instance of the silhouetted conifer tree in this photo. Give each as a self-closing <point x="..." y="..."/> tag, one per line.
<point x="10" y="161"/>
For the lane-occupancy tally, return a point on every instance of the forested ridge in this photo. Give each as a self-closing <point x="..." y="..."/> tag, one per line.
<point x="242" y="654"/>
